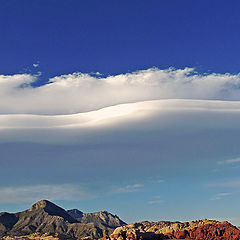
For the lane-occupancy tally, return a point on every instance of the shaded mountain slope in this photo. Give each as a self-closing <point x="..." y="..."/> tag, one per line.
<point x="7" y="221"/>
<point x="75" y="213"/>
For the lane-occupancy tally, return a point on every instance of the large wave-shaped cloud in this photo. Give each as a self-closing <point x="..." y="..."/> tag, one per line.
<point x="78" y="108"/>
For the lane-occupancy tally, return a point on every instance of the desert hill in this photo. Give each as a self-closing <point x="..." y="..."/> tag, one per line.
<point x="46" y="217"/>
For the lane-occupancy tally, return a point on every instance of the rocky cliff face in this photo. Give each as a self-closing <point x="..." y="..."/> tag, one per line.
<point x="46" y="217"/>
<point x="196" y="230"/>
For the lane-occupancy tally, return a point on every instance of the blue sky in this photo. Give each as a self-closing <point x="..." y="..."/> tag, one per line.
<point x="125" y="106"/>
<point x="116" y="37"/>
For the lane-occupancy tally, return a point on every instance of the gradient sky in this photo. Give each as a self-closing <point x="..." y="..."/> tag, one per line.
<point x="127" y="106"/>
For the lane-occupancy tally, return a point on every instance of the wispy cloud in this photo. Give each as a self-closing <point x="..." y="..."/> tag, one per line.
<point x="235" y="183"/>
<point x="229" y="161"/>
<point x="229" y="184"/>
<point x="129" y="188"/>
<point x="35" y="193"/>
<point x="158" y="181"/>
<point x="156" y="200"/>
<point x="220" y="196"/>
<point x="231" y="164"/>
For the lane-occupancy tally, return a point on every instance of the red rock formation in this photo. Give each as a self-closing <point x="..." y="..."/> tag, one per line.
<point x="220" y="231"/>
<point x="213" y="231"/>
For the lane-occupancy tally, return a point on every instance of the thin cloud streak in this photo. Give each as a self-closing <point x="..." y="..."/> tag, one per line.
<point x="220" y="196"/>
<point x="67" y="192"/>
<point x="233" y="184"/>
<point x="229" y="161"/>
<point x="129" y="188"/>
<point x="24" y="194"/>
<point x="159" y="201"/>
<point x="156" y="200"/>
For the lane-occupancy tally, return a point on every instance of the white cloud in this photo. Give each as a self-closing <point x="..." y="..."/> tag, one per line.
<point x="220" y="196"/>
<point x="156" y="200"/>
<point x="35" y="193"/>
<point x="74" y="107"/>
<point x="80" y="92"/>
<point x="129" y="188"/>
<point x="35" y="65"/>
<point x="230" y="161"/>
<point x="182" y="115"/>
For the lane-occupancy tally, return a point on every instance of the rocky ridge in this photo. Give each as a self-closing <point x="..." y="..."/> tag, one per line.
<point x="196" y="230"/>
<point x="99" y="218"/>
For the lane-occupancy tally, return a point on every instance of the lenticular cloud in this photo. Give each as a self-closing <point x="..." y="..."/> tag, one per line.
<point x="78" y="92"/>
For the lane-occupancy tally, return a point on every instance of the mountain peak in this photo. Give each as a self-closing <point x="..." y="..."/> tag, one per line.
<point x="42" y="204"/>
<point x="52" y="209"/>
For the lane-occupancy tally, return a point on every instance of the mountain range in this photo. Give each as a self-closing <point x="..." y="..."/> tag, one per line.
<point x="46" y="217"/>
<point x="47" y="221"/>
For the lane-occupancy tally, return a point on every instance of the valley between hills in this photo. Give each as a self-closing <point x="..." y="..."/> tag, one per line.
<point x="47" y="221"/>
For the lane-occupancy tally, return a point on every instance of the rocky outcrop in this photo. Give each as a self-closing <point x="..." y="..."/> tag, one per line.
<point x="46" y="217"/>
<point x="197" y="230"/>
